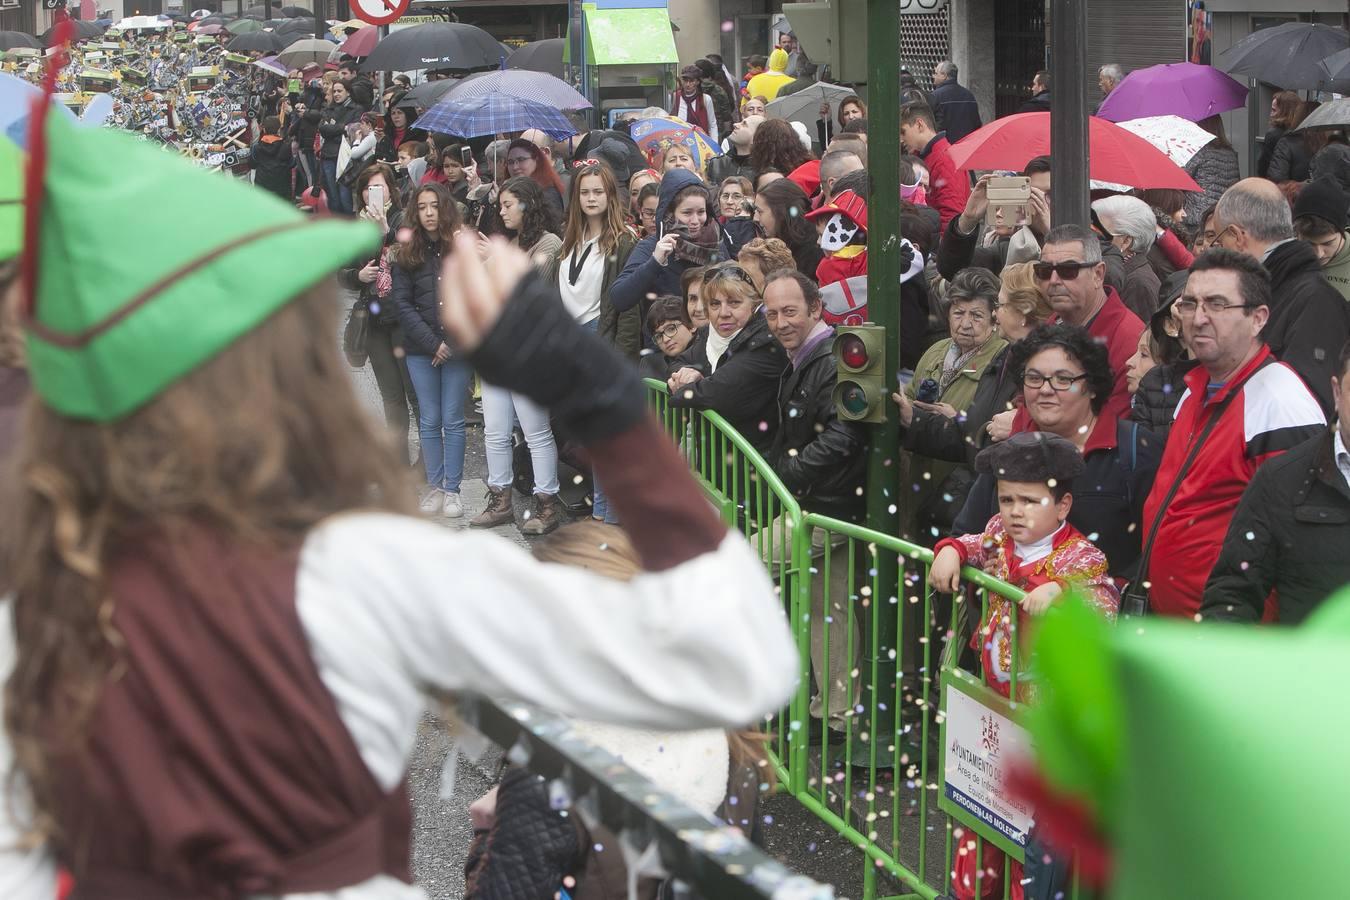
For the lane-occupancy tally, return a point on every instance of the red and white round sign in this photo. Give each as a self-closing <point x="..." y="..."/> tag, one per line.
<point x="378" y="12"/>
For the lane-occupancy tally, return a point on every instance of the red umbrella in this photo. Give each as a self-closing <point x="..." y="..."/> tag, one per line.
<point x="210" y="29"/>
<point x="1115" y="155"/>
<point x="361" y="41"/>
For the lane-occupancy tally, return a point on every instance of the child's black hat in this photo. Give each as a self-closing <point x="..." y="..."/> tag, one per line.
<point x="1032" y="456"/>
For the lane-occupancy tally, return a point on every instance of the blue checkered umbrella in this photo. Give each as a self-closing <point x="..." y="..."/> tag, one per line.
<point x="538" y="87"/>
<point x="493" y="114"/>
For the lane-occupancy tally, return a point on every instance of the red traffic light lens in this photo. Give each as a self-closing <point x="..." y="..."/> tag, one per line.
<point x="852" y="351"/>
<point x="853" y="398"/>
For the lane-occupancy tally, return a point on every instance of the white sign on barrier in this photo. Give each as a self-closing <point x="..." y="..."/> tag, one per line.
<point x="980" y="744"/>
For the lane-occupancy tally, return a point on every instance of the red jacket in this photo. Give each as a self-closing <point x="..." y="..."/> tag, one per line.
<point x="1119" y="329"/>
<point x="948" y="189"/>
<point x="1274" y="412"/>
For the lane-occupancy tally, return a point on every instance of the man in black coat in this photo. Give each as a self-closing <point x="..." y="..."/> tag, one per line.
<point x="1309" y="320"/>
<point x="821" y="460"/>
<point x="954" y="108"/>
<point x="1291" y="531"/>
<point x="1040" y="94"/>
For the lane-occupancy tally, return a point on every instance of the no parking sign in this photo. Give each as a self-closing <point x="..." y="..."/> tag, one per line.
<point x="378" y="12"/>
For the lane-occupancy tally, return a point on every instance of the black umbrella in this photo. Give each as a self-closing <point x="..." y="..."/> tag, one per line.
<point x="214" y="20"/>
<point x="261" y="41"/>
<point x="1287" y="55"/>
<point x="11" y="39"/>
<point x="445" y="46"/>
<point x="84" y="31"/>
<point x="425" y="95"/>
<point x="296" y="11"/>
<point x="540" y="56"/>
<point x="259" y="12"/>
<point x="291" y="27"/>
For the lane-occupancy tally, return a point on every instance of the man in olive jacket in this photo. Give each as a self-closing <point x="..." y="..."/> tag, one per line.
<point x="821" y="460"/>
<point x="1291" y="529"/>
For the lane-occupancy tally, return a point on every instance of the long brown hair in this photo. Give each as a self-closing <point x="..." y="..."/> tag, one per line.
<point x="256" y="447"/>
<point x="412" y="252"/>
<point x="1289" y="108"/>
<point x="776" y="146"/>
<point x="574" y="232"/>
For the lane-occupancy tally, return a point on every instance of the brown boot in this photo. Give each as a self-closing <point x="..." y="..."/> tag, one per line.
<point x="548" y="515"/>
<point x="498" y="510"/>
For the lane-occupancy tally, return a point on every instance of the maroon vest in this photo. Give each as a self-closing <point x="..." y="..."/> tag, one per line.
<point x="217" y="765"/>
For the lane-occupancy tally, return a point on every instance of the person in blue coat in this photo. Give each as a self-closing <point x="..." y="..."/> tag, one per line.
<point x="684" y="216"/>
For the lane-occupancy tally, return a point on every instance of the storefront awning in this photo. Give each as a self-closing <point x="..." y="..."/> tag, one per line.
<point x="626" y="37"/>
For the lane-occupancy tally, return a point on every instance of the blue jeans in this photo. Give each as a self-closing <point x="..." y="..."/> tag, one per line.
<point x="441" y="391"/>
<point x="599" y="502"/>
<point x="339" y="197"/>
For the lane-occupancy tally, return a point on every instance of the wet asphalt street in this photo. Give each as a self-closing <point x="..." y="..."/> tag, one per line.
<point x="442" y="832"/>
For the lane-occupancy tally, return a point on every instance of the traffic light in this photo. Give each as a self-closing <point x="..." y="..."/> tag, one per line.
<point x="860" y="373"/>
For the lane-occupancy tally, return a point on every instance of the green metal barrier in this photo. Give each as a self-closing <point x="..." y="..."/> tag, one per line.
<point x="879" y="791"/>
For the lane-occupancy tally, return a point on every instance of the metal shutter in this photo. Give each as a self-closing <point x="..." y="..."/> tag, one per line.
<point x="1136" y="34"/>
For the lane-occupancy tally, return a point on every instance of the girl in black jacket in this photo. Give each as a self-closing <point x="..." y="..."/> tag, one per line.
<point x="780" y="211"/>
<point x="440" y="380"/>
<point x="373" y="279"/>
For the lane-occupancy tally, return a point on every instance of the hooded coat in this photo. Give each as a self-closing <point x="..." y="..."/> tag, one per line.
<point x="1309" y="319"/>
<point x="768" y="83"/>
<point x="270" y="161"/>
<point x="642" y="275"/>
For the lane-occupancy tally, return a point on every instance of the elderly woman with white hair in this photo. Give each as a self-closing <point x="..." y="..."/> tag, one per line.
<point x="1133" y="228"/>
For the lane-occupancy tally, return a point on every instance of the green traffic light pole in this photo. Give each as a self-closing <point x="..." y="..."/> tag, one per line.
<point x="878" y="671"/>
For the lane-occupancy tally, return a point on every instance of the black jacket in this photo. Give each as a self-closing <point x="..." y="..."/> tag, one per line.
<point x="956" y="112"/>
<point x="271" y="165"/>
<point x="414" y="295"/>
<point x="1108" y="498"/>
<point x="1268" y="151"/>
<point x="1141" y="286"/>
<point x="819" y="457"/>
<point x="1038" y="103"/>
<point x="1291" y="159"/>
<point x="744" y="389"/>
<point x="958" y="440"/>
<point x="1309" y="319"/>
<point x="332" y="122"/>
<point x="1154" y="404"/>
<point x="1290" y="534"/>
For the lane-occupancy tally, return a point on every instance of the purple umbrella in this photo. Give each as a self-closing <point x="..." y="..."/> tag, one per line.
<point x="1177" y="89"/>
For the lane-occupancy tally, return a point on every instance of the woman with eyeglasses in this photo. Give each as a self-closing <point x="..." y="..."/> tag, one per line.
<point x="596" y="244"/>
<point x="1066" y="380"/>
<point x="944" y="383"/>
<point x="672" y="332"/>
<point x="732" y="197"/>
<point x="736" y="373"/>
<point x="532" y="226"/>
<point x="525" y="160"/>
<point x="648" y="200"/>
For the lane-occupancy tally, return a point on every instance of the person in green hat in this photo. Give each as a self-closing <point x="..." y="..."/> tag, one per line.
<point x="13" y="373"/>
<point x="226" y="618"/>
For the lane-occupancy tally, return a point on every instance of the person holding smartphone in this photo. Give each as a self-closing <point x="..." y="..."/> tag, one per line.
<point x="373" y="278"/>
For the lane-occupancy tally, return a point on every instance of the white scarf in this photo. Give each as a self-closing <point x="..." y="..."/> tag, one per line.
<point x="716" y="346"/>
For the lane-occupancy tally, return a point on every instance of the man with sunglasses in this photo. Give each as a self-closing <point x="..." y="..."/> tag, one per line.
<point x="1309" y="319"/>
<point x="1241" y="407"/>
<point x="1073" y="276"/>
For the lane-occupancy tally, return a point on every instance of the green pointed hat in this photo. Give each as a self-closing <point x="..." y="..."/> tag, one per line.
<point x="11" y="199"/>
<point x="148" y="266"/>
<point x="1212" y="757"/>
